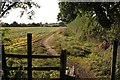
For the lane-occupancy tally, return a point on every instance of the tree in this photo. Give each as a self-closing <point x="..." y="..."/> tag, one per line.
<point x="61" y="24"/>
<point x="4" y="24"/>
<point x="67" y="12"/>
<point x="7" y="5"/>
<point x="14" y="24"/>
<point x="106" y="13"/>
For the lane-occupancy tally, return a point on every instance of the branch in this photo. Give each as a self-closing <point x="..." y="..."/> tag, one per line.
<point x="102" y="18"/>
<point x="8" y="8"/>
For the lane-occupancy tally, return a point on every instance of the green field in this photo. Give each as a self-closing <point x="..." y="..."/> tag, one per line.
<point x="18" y="36"/>
<point x="82" y="51"/>
<point x="16" y="32"/>
<point x="17" y="45"/>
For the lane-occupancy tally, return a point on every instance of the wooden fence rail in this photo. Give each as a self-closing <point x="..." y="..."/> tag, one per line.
<point x="29" y="58"/>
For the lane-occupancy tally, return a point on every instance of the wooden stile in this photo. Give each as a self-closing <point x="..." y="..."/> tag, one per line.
<point x="29" y="57"/>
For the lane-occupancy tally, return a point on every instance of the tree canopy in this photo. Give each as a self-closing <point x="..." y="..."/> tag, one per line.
<point x="106" y="12"/>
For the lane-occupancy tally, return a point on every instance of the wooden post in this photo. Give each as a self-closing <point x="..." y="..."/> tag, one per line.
<point x="29" y="53"/>
<point x="4" y="65"/>
<point x="63" y="64"/>
<point x="119" y="62"/>
<point x="115" y="46"/>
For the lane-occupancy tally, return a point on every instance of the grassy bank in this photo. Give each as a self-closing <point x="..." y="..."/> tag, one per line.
<point x="84" y="49"/>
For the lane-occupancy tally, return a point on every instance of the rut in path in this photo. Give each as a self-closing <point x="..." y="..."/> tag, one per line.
<point x="78" y="70"/>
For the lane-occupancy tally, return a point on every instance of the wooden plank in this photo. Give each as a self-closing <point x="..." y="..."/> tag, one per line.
<point x="33" y="56"/>
<point x="44" y="68"/>
<point x="32" y="79"/>
<point x="16" y="55"/>
<point x="29" y="53"/>
<point x="63" y="64"/>
<point x="44" y="56"/>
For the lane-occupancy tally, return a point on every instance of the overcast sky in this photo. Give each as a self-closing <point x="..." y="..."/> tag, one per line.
<point x="47" y="13"/>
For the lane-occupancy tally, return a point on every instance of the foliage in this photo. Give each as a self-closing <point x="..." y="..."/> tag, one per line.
<point x="89" y="30"/>
<point x="85" y="53"/>
<point x="85" y="28"/>
<point x="15" y="24"/>
<point x="98" y="22"/>
<point x="4" y="32"/>
<point x="67" y="11"/>
<point x="7" y="5"/>
<point x="98" y="61"/>
<point x="106" y="13"/>
<point x="101" y="64"/>
<point x="64" y="42"/>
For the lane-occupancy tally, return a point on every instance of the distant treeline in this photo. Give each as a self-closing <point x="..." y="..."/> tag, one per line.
<point x="15" y="24"/>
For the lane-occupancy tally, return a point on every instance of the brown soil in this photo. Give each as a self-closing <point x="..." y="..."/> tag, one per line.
<point x="80" y="71"/>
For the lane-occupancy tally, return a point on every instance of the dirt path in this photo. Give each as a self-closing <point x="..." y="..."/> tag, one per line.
<point x="48" y="40"/>
<point x="79" y="71"/>
<point x="47" y="43"/>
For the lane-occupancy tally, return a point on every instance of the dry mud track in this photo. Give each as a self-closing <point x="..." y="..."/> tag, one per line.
<point x="47" y="42"/>
<point x="78" y="70"/>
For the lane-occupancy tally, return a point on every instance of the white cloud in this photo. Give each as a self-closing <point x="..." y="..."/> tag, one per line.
<point x="47" y="13"/>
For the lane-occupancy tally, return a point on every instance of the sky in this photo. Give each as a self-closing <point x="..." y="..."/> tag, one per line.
<point x="47" y="12"/>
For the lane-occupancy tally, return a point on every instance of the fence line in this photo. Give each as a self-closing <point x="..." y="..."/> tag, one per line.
<point x="29" y="58"/>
